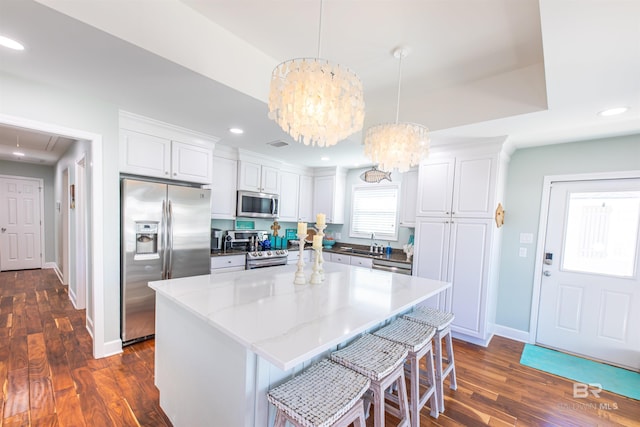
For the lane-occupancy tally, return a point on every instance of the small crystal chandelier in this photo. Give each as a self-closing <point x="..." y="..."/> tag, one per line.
<point x="396" y="145"/>
<point x="314" y="101"/>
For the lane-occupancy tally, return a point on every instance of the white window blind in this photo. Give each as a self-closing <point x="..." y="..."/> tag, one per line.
<point x="375" y="210"/>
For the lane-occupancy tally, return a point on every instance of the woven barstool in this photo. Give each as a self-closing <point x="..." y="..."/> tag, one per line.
<point x="417" y="339"/>
<point x="326" y="394"/>
<point x="382" y="361"/>
<point x="442" y="322"/>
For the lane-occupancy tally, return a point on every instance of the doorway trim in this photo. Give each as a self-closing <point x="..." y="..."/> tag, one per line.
<point x="542" y="232"/>
<point x="100" y="347"/>
<point x="81" y="234"/>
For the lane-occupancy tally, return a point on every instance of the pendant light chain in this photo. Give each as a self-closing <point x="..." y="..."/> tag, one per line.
<point x="401" y="54"/>
<point x="320" y="31"/>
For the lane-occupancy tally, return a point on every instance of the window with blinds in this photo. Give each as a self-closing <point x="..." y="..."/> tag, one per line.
<point x="375" y="210"/>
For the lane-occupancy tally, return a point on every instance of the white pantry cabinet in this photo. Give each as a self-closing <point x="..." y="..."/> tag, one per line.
<point x="289" y="196"/>
<point x="305" y="200"/>
<point x="409" y="195"/>
<point x="461" y="186"/>
<point x="329" y="194"/>
<point x="458" y="251"/>
<point x="456" y="238"/>
<point x="160" y="150"/>
<point x="224" y="188"/>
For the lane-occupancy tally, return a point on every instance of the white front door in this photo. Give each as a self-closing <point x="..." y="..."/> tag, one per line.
<point x="590" y="288"/>
<point x="20" y="224"/>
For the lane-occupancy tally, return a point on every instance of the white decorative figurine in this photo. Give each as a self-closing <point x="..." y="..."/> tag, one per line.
<point x="408" y="249"/>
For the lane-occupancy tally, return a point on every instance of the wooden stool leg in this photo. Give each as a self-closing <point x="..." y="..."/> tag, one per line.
<point x="378" y="410"/>
<point x="431" y="377"/>
<point x="439" y="377"/>
<point x="415" y="391"/>
<point x="404" y="401"/>
<point x="280" y="419"/>
<point x="449" y="342"/>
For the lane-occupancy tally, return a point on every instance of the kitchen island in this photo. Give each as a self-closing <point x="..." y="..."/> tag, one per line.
<point x="222" y="341"/>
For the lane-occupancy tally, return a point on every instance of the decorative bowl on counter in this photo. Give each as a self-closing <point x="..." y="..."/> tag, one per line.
<point x="328" y="244"/>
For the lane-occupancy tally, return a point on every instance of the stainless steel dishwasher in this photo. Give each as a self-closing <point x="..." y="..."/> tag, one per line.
<point x="391" y="266"/>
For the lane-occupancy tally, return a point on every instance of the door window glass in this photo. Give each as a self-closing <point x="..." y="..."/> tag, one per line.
<point x="602" y="233"/>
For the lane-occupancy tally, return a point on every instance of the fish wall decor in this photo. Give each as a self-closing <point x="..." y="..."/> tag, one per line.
<point x="375" y="175"/>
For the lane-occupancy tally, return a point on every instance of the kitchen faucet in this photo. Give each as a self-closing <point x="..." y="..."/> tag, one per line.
<point x="373" y="236"/>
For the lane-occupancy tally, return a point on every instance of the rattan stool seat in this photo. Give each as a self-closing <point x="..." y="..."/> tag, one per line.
<point x="382" y="361"/>
<point x="321" y="395"/>
<point x="431" y="316"/>
<point x="417" y="337"/>
<point x="412" y="335"/>
<point x="371" y="356"/>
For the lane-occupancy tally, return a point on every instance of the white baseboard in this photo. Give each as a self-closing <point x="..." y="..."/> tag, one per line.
<point x="54" y="266"/>
<point x="111" y="348"/>
<point x="90" y="326"/>
<point x="472" y="340"/>
<point x="511" y="333"/>
<point x="72" y="297"/>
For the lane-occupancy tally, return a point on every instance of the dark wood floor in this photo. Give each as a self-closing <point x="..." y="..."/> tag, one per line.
<point x="49" y="377"/>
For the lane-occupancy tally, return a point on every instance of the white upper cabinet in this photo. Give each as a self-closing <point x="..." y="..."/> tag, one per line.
<point x="458" y="187"/>
<point x="409" y="199"/>
<point x="289" y="196"/>
<point x="224" y="188"/>
<point x="258" y="177"/>
<point x="161" y="150"/>
<point x="329" y="193"/>
<point x="145" y="155"/>
<point x="191" y="163"/>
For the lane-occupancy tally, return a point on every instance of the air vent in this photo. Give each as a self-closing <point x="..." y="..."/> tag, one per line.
<point x="277" y="144"/>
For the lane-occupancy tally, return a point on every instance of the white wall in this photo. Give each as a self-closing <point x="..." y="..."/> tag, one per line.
<point x="32" y="101"/>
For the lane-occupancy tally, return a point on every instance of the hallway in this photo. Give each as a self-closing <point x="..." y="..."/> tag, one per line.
<point x="47" y="368"/>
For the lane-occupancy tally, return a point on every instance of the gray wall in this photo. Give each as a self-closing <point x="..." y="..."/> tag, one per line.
<point x="46" y="173"/>
<point x="526" y="173"/>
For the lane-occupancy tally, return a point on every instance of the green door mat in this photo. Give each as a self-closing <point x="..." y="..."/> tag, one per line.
<point x="616" y="380"/>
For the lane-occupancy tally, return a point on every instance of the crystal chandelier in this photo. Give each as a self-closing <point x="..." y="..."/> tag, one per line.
<point x="315" y="101"/>
<point x="396" y="145"/>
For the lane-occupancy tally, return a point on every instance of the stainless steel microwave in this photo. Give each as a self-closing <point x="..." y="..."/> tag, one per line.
<point x="258" y="205"/>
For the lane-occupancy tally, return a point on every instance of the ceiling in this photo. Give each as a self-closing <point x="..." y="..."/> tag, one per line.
<point x="533" y="72"/>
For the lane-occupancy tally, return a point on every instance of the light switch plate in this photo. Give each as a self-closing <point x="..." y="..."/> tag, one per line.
<point x="526" y="237"/>
<point x="523" y="252"/>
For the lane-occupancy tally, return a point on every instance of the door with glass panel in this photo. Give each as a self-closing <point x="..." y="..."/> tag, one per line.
<point x="590" y="288"/>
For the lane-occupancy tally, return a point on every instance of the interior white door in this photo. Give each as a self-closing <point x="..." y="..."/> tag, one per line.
<point x="20" y="228"/>
<point x="590" y="289"/>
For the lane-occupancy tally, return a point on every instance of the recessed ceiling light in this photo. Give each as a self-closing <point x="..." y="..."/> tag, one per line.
<point x="237" y="131"/>
<point x="18" y="153"/>
<point x="324" y="158"/>
<point x="613" y="111"/>
<point x="10" y="43"/>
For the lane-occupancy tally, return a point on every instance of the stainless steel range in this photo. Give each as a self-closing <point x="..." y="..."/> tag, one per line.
<point x="261" y="259"/>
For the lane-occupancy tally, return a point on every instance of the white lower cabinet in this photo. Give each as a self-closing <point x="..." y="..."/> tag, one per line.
<point x="225" y="264"/>
<point x="361" y="261"/>
<point x="342" y="259"/>
<point x="461" y="251"/>
<point x="294" y="255"/>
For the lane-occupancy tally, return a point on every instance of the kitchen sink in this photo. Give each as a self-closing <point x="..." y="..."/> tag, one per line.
<point x="359" y="252"/>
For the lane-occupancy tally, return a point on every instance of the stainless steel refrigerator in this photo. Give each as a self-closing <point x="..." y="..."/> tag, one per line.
<point x="165" y="234"/>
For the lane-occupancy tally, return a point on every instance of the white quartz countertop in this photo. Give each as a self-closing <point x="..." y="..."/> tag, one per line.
<point x="288" y="324"/>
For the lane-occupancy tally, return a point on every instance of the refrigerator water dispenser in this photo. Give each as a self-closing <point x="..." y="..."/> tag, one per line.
<point x="146" y="240"/>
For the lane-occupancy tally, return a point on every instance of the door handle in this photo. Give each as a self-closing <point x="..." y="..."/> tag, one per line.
<point x="546" y="273"/>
